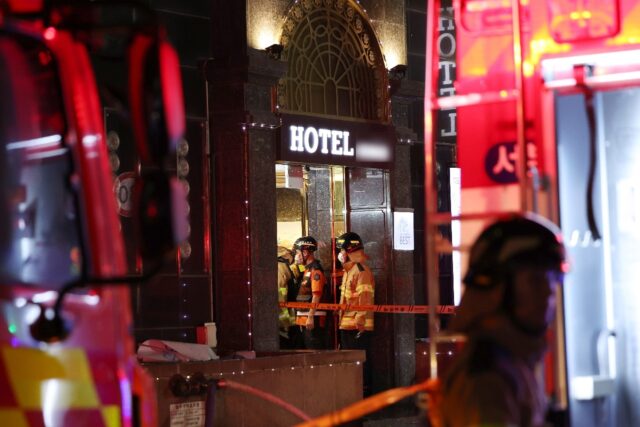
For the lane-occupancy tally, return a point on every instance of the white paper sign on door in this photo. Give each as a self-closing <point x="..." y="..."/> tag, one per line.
<point x="403" y="231"/>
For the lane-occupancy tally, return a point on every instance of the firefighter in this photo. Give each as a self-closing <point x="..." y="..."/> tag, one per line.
<point x="288" y="279"/>
<point x="312" y="322"/>
<point x="358" y="288"/>
<point x="515" y="267"/>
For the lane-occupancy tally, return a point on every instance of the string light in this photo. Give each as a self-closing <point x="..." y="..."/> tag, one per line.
<point x="258" y="126"/>
<point x="251" y="372"/>
<point x="248" y="231"/>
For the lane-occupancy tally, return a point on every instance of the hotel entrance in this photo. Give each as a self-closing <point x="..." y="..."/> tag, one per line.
<point x="310" y="202"/>
<point x="324" y="202"/>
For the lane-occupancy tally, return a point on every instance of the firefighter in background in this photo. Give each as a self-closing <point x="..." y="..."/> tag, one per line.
<point x="515" y="267"/>
<point x="358" y="288"/>
<point x="288" y="281"/>
<point x="312" y="286"/>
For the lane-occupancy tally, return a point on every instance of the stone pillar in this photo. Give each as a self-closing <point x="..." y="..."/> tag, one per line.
<point x="402" y="104"/>
<point x="243" y="140"/>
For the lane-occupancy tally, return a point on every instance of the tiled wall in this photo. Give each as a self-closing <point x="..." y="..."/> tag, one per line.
<point x="177" y="300"/>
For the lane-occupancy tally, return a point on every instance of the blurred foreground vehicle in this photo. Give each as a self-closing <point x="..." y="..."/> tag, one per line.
<point x="66" y="353"/>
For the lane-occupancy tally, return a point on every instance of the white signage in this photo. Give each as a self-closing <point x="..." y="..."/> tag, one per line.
<point x="310" y="139"/>
<point x="318" y="140"/>
<point x="188" y="414"/>
<point x="455" y="184"/>
<point x="123" y="189"/>
<point x="403" y="231"/>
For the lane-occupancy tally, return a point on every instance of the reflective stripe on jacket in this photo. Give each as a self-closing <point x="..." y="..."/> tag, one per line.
<point x="286" y="315"/>
<point x="313" y="282"/>
<point x="358" y="287"/>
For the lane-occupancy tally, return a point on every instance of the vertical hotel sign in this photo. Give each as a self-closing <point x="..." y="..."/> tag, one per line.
<point x="446" y="119"/>
<point x="446" y="46"/>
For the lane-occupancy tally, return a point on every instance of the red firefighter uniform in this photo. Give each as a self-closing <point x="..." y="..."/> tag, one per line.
<point x="312" y="284"/>
<point x="357" y="287"/>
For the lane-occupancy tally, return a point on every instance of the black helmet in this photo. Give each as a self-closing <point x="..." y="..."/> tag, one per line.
<point x="514" y="241"/>
<point x="306" y="242"/>
<point x="349" y="242"/>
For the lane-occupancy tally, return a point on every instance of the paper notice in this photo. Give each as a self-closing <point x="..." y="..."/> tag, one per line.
<point x="187" y="414"/>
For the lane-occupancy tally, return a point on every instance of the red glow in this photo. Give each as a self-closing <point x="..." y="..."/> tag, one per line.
<point x="172" y="96"/>
<point x="25" y="6"/>
<point x="488" y="16"/>
<point x="44" y="57"/>
<point x="137" y="53"/>
<point x="574" y="21"/>
<point x="152" y="210"/>
<point x="50" y="33"/>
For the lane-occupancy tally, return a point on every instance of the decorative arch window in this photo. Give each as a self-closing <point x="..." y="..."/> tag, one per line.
<point x="336" y="67"/>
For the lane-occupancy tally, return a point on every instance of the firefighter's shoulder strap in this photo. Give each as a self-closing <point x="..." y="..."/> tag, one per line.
<point x="316" y="272"/>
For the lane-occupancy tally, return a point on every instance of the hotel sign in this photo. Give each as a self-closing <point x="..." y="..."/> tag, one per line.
<point x="306" y="139"/>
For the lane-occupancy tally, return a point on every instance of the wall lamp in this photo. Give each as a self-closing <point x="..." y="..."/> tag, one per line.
<point x="274" y="51"/>
<point x="398" y="72"/>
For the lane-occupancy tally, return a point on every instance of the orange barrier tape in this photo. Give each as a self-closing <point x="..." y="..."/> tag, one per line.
<point x="372" y="404"/>
<point x="378" y="308"/>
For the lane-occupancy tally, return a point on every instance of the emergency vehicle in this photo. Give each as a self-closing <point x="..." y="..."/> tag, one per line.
<point x="541" y="97"/>
<point x="66" y="350"/>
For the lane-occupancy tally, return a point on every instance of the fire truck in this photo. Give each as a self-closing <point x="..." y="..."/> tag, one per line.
<point x="66" y="351"/>
<point x="541" y="98"/>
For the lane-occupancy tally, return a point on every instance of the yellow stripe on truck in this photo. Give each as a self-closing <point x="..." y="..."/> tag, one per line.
<point x="13" y="418"/>
<point x="53" y="379"/>
<point x="111" y="415"/>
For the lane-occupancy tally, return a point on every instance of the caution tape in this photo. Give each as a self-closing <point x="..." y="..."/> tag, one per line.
<point x="378" y="308"/>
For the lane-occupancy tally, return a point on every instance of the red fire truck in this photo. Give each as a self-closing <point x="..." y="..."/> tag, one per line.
<point x="541" y="98"/>
<point x="66" y="353"/>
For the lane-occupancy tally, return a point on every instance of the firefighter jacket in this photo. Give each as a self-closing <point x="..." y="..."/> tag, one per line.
<point x="312" y="284"/>
<point x="285" y="278"/>
<point x="357" y="288"/>
<point x="493" y="380"/>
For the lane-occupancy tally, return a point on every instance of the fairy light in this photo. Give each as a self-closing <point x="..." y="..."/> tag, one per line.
<point x="247" y="225"/>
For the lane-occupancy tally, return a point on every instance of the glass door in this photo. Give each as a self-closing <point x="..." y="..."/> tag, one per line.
<point x="311" y="202"/>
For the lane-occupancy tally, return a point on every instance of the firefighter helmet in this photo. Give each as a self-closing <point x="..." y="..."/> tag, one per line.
<point x="349" y="242"/>
<point x="498" y="253"/>
<point x="515" y="241"/>
<point x="306" y="242"/>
